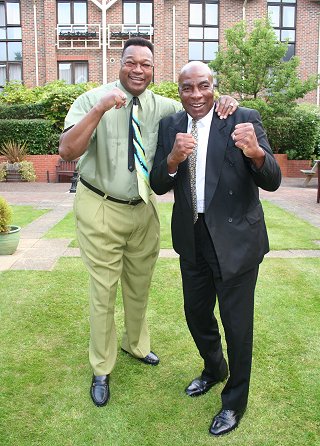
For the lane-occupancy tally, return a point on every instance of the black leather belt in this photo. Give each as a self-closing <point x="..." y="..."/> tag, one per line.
<point x="102" y="194"/>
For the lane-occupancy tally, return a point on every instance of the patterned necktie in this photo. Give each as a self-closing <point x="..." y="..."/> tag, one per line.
<point x="192" y="161"/>
<point x="136" y="153"/>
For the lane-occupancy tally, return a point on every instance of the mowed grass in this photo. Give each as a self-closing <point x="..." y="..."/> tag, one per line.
<point x="285" y="230"/>
<point x="23" y="215"/>
<point x="45" y="375"/>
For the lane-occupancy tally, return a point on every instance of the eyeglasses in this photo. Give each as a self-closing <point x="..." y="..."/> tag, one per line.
<point x="133" y="65"/>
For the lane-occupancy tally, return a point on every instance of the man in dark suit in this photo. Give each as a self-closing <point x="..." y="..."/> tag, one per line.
<point x="218" y="229"/>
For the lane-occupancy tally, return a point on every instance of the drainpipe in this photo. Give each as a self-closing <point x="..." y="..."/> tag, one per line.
<point x="318" y="88"/>
<point x="36" y="41"/>
<point x="174" y="43"/>
<point x="244" y="10"/>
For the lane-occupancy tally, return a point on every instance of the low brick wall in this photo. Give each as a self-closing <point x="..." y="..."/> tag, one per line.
<point x="291" y="168"/>
<point x="45" y="167"/>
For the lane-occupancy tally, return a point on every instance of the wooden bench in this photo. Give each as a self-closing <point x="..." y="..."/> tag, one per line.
<point x="65" y="169"/>
<point x="310" y="173"/>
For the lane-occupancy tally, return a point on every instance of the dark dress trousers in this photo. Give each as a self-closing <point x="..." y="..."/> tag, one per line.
<point x="220" y="254"/>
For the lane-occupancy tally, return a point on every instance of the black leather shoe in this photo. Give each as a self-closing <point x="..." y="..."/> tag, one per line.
<point x="99" y="391"/>
<point x="225" y="421"/>
<point x="200" y="386"/>
<point x="150" y="359"/>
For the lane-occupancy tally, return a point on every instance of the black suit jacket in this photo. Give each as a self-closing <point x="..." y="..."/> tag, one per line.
<point x="233" y="212"/>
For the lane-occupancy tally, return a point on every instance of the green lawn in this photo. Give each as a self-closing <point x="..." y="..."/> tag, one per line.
<point x="23" y="215"/>
<point x="285" y="230"/>
<point x="45" y="376"/>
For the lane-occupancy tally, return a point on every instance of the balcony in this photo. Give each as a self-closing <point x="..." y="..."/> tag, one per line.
<point x="71" y="36"/>
<point x="89" y="36"/>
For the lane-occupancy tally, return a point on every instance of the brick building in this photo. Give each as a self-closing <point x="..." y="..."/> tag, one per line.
<point x="77" y="40"/>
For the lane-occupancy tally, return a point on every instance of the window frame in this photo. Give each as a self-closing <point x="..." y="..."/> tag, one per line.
<point x="73" y="63"/>
<point x="279" y="29"/>
<point x="72" y="2"/>
<point x="6" y="63"/>
<point x="137" y="18"/>
<point x="204" y="26"/>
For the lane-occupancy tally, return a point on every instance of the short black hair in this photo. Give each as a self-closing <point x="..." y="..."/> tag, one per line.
<point x="137" y="41"/>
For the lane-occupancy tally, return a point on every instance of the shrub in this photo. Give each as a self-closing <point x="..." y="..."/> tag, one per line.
<point x="3" y="172"/>
<point x="5" y="215"/>
<point x="27" y="172"/>
<point x="39" y="134"/>
<point x="58" y="99"/>
<point x="297" y="134"/>
<point x="51" y="101"/>
<point x="167" y="89"/>
<point x="14" y="151"/>
<point x="22" y="111"/>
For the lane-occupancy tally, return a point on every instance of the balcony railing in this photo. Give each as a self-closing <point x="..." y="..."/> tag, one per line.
<point x="119" y="33"/>
<point x="72" y="36"/>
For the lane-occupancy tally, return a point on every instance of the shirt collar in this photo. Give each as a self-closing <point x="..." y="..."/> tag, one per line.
<point x="142" y="97"/>
<point x="203" y="122"/>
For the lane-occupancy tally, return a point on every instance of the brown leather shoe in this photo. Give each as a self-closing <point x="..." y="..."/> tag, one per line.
<point x="225" y="421"/>
<point x="150" y="359"/>
<point x="99" y="390"/>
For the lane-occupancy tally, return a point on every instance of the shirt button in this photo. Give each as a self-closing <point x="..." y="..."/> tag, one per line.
<point x="230" y="220"/>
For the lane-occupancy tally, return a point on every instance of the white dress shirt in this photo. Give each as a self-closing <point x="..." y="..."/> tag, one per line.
<point x="203" y="125"/>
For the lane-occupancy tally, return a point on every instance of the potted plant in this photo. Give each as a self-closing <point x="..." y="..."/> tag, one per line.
<point x="9" y="234"/>
<point x="17" y="168"/>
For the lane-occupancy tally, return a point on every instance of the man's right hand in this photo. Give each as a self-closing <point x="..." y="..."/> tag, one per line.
<point x="182" y="148"/>
<point x="114" y="98"/>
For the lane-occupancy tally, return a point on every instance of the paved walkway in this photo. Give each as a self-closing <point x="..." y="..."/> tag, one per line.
<point x="35" y="253"/>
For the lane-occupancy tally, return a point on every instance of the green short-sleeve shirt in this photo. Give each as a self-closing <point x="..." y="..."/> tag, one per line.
<point x="105" y="163"/>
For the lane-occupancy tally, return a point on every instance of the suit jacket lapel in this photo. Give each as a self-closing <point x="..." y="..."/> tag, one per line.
<point x="181" y="126"/>
<point x="220" y="131"/>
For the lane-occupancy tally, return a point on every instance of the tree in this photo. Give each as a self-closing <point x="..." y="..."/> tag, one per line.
<point x="252" y="65"/>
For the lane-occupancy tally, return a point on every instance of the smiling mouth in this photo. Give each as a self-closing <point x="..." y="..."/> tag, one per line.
<point x="197" y="105"/>
<point x="136" y="79"/>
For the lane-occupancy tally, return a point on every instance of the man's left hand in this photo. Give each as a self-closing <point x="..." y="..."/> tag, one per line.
<point x="245" y="139"/>
<point x="225" y="106"/>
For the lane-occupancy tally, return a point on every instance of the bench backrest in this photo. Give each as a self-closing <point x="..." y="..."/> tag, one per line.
<point x="66" y="165"/>
<point x="314" y="167"/>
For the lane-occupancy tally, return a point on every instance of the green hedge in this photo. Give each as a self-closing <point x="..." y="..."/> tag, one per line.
<point x="39" y="135"/>
<point x="22" y="111"/>
<point x="297" y="134"/>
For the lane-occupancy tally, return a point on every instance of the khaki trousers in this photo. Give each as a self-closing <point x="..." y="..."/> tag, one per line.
<point x="117" y="241"/>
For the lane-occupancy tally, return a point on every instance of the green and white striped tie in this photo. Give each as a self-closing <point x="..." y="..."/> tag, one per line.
<point x="139" y="155"/>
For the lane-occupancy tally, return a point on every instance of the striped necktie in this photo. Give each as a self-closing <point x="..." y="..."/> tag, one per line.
<point x="192" y="161"/>
<point x="137" y="153"/>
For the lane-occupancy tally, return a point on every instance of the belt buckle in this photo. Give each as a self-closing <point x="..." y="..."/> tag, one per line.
<point x="132" y="202"/>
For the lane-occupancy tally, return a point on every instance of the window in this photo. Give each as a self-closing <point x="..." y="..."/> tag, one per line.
<point x="73" y="72"/>
<point x="72" y="12"/>
<point x="138" y="12"/>
<point x="10" y="42"/>
<point x="203" y="29"/>
<point x="282" y="14"/>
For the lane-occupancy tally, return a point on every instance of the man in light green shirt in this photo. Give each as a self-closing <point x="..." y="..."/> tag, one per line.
<point x="118" y="232"/>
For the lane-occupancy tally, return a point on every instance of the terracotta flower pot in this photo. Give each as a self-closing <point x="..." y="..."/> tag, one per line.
<point x="9" y="240"/>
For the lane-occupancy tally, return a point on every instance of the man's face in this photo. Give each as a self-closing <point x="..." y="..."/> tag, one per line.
<point x="136" y="69"/>
<point x="196" y="90"/>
